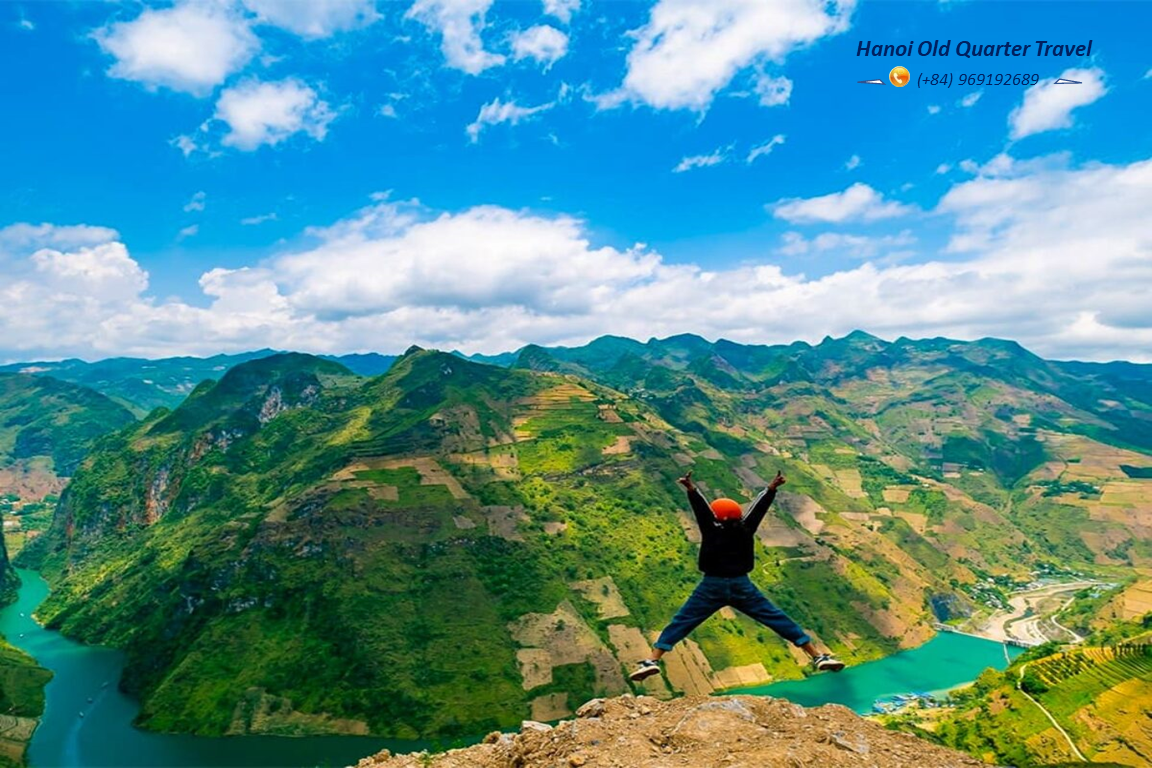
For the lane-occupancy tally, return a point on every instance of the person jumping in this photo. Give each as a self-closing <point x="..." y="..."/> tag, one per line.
<point x="727" y="554"/>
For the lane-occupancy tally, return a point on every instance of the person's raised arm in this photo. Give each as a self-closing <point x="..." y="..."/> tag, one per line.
<point x="760" y="506"/>
<point x="696" y="499"/>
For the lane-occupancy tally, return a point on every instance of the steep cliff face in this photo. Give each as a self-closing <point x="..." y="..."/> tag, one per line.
<point x="694" y="731"/>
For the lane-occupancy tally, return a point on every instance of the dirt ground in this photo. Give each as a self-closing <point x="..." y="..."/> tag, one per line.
<point x="734" y="732"/>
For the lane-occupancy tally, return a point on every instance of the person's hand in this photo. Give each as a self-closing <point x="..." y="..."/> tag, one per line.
<point x="776" y="481"/>
<point x="686" y="481"/>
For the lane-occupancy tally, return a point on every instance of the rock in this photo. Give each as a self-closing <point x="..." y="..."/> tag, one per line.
<point x="533" y="725"/>
<point x="593" y="708"/>
<point x="729" y="705"/>
<point x="856" y="743"/>
<point x="707" y="721"/>
<point x="493" y="737"/>
<point x="712" y="732"/>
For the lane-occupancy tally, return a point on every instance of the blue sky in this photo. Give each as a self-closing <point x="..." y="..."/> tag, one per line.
<point x="351" y="175"/>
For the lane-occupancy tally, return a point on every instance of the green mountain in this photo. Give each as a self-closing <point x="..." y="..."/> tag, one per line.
<point x="1045" y="455"/>
<point x="453" y="546"/>
<point x="444" y="549"/>
<point x="46" y="429"/>
<point x="43" y="418"/>
<point x="142" y="385"/>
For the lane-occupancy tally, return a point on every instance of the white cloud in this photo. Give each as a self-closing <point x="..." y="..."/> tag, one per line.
<point x="388" y="108"/>
<point x="543" y="43"/>
<point x="942" y="169"/>
<point x="496" y="112"/>
<point x="315" y="18"/>
<point x="561" y="9"/>
<point x="859" y="202"/>
<point x="258" y="113"/>
<point x="1004" y="166"/>
<point x="262" y="218"/>
<point x="191" y="47"/>
<point x="1047" y="107"/>
<point x="189" y="231"/>
<point x="853" y="163"/>
<point x="1148" y="75"/>
<point x="933" y="109"/>
<point x="971" y="99"/>
<point x="765" y="148"/>
<point x="857" y="246"/>
<point x="459" y="23"/>
<point x="491" y="279"/>
<point x="688" y="51"/>
<point x="196" y="203"/>
<point x="703" y="161"/>
<point x="104" y="272"/>
<point x="773" y="91"/>
<point x="17" y="237"/>
<point x="187" y="144"/>
<point x="26" y="24"/>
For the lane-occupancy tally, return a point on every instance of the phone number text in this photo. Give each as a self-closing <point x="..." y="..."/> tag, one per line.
<point x="976" y="78"/>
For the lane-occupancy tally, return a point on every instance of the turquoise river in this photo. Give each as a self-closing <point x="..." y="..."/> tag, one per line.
<point x="88" y="721"/>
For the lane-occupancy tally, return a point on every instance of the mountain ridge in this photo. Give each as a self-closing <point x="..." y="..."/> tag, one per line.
<point x="310" y="522"/>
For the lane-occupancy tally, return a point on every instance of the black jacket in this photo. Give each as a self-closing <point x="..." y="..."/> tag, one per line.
<point x="728" y="548"/>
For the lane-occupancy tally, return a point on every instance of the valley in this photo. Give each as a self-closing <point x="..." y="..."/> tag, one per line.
<point x="454" y="546"/>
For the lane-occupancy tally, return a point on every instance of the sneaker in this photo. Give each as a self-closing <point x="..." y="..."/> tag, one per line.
<point x="645" y="670"/>
<point x="826" y="662"/>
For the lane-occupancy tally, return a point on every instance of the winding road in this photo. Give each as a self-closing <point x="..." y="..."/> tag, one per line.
<point x="1020" y="687"/>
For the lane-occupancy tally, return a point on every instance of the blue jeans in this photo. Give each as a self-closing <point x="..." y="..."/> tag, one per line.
<point x="715" y="592"/>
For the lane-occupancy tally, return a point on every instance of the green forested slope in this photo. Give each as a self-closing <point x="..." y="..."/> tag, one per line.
<point x="451" y="547"/>
<point x="362" y="554"/>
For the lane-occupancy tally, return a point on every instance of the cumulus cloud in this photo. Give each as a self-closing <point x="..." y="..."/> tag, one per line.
<point x="971" y="99"/>
<point x="760" y="150"/>
<point x="104" y="271"/>
<point x="689" y="51"/>
<point x="859" y="202"/>
<point x="190" y="47"/>
<point x="543" y="43"/>
<point x="1047" y="107"/>
<point x="489" y="278"/>
<point x="496" y="112"/>
<point x="852" y="163"/>
<point x="314" y="18"/>
<point x="933" y="109"/>
<point x="561" y="9"/>
<point x="459" y="23"/>
<point x="717" y="157"/>
<point x="259" y="113"/>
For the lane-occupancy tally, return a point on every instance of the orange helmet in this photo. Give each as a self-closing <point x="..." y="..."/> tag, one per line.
<point x="727" y="509"/>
